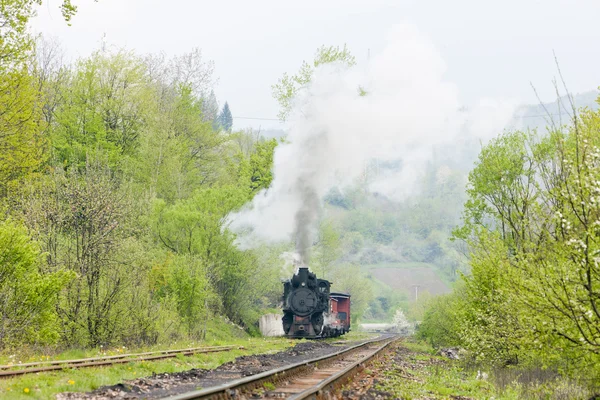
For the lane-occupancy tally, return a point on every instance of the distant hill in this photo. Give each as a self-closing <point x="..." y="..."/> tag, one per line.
<point x="558" y="112"/>
<point x="405" y="247"/>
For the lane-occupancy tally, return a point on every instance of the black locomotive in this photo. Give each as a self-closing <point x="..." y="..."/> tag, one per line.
<point x="310" y="310"/>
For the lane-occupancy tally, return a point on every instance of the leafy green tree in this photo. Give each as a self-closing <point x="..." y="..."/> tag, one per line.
<point x="288" y="86"/>
<point x="106" y="111"/>
<point x="15" y="41"/>
<point x="21" y="143"/>
<point x="441" y="323"/>
<point x="529" y="222"/>
<point x="28" y="298"/>
<point x="189" y="286"/>
<point x="178" y="150"/>
<point x="196" y="226"/>
<point x="256" y="171"/>
<point x="328" y="248"/>
<point x="80" y="218"/>
<point x="348" y="278"/>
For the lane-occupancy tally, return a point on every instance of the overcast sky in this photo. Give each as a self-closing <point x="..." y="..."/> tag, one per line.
<point x="491" y="48"/>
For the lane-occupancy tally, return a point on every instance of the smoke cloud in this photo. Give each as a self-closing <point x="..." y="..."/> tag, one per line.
<point x="408" y="110"/>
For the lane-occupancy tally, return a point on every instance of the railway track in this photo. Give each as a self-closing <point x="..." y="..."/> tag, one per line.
<point x="7" y="371"/>
<point x="312" y="379"/>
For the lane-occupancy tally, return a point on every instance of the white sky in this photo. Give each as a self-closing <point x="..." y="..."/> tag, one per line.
<point x="491" y="48"/>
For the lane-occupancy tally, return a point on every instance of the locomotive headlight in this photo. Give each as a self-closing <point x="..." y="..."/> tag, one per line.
<point x="303" y="284"/>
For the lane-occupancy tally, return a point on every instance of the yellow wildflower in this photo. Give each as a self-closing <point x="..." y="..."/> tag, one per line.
<point x="71" y="382"/>
<point x="26" y="390"/>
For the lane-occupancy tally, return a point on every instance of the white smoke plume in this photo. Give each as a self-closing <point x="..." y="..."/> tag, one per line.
<point x="408" y="110"/>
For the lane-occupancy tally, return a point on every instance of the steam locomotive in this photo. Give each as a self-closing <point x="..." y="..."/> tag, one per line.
<point x="310" y="310"/>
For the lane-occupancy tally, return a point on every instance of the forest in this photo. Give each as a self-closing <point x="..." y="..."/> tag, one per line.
<point x="118" y="173"/>
<point x="531" y="225"/>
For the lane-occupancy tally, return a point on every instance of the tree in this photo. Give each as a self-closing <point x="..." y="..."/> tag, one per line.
<point x="255" y="171"/>
<point x="80" y="218"/>
<point x="28" y="298"/>
<point x="190" y="70"/>
<point x="348" y="278"/>
<point x="22" y="145"/>
<point x="196" y="227"/>
<point x="401" y="322"/>
<point x="531" y="223"/>
<point x="287" y="87"/>
<point x="442" y="322"/>
<point x="210" y="109"/>
<point x="106" y="111"/>
<point x="225" y="119"/>
<point x="328" y="247"/>
<point x="15" y="42"/>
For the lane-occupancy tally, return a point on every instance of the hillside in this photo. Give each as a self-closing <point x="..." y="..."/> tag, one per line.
<point x="405" y="247"/>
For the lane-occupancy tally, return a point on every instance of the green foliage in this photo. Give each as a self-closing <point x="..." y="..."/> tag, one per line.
<point x="15" y="42"/>
<point x="106" y="112"/>
<point x="48" y="385"/>
<point x="255" y="172"/>
<point x="531" y="225"/>
<point x="22" y="144"/>
<point x="115" y="168"/>
<point x="196" y="227"/>
<point x="178" y="149"/>
<point x="440" y="325"/>
<point x="288" y="86"/>
<point x="188" y="285"/>
<point x="83" y="221"/>
<point x="27" y="297"/>
<point x="348" y="278"/>
<point x="327" y="250"/>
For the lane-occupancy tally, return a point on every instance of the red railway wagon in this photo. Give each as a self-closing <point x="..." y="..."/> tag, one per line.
<point x="340" y="310"/>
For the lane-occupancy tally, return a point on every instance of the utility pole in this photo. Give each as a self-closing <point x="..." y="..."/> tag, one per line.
<point x="416" y="292"/>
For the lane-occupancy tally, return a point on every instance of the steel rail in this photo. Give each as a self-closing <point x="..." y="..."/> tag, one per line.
<point x="330" y="384"/>
<point x="229" y="390"/>
<point x="109" y="360"/>
<point x="92" y="359"/>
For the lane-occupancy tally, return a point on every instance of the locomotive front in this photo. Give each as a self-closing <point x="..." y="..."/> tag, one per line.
<point x="305" y="300"/>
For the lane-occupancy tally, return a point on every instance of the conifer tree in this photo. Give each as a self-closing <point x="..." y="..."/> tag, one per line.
<point x="225" y="118"/>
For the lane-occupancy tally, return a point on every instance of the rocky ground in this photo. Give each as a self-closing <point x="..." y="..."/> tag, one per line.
<point x="413" y="370"/>
<point x="162" y="385"/>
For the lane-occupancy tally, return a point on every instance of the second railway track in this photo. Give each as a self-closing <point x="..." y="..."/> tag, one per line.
<point x="311" y="379"/>
<point x="7" y="371"/>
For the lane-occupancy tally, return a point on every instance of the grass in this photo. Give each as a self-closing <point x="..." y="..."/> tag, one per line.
<point x="415" y="372"/>
<point x="219" y="333"/>
<point x="47" y="385"/>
